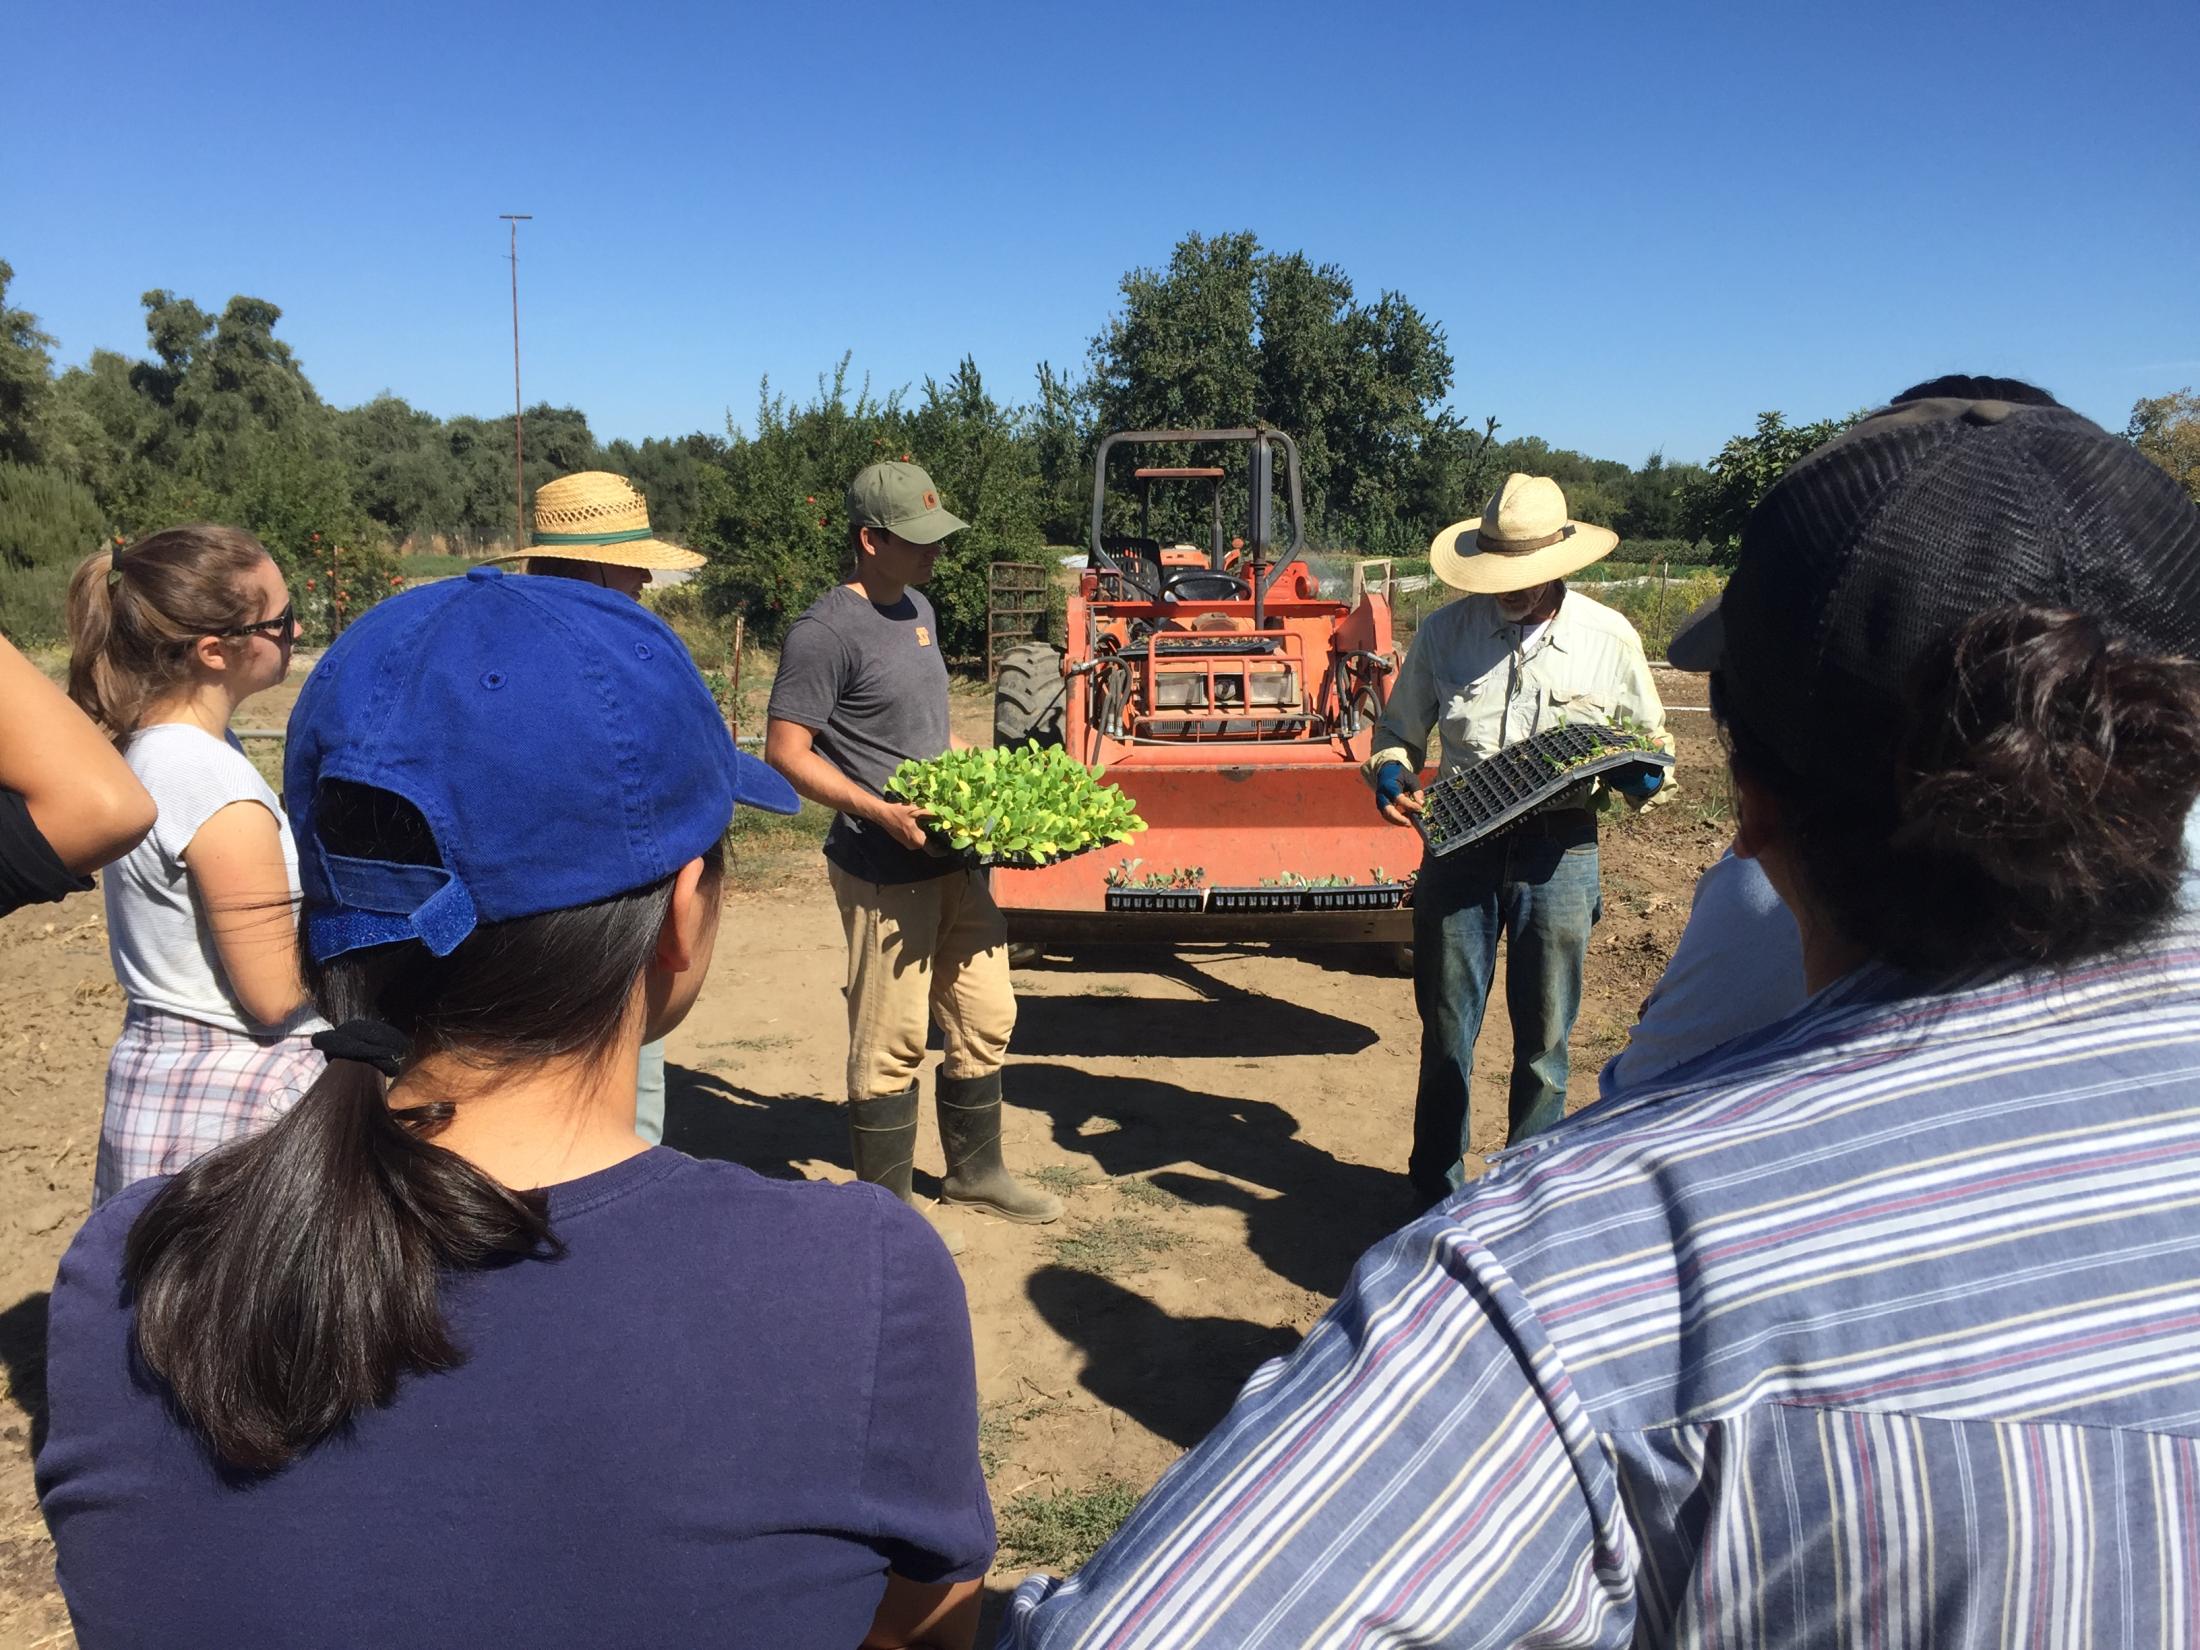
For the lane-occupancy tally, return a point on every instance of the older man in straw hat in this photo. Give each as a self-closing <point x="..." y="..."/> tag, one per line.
<point x="1517" y="655"/>
<point x="594" y="526"/>
<point x="862" y="688"/>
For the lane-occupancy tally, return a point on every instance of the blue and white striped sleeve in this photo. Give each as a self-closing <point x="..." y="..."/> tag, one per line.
<point x="1418" y="1472"/>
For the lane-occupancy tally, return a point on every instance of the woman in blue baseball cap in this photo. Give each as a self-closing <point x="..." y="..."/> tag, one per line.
<point x="449" y="1354"/>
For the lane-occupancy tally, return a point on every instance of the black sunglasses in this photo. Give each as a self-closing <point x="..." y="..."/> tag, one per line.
<point x="283" y="624"/>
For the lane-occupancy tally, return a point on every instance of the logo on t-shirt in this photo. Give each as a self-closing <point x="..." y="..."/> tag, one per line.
<point x="923" y="640"/>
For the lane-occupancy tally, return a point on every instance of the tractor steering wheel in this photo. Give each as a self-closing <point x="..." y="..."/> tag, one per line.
<point x="1198" y="584"/>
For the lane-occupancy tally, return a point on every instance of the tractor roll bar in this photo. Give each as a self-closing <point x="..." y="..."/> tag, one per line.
<point x="1260" y="491"/>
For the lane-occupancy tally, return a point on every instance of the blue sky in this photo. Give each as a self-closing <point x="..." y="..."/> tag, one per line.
<point x="1637" y="224"/>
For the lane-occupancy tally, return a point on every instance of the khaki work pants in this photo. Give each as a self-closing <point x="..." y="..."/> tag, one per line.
<point x="919" y="951"/>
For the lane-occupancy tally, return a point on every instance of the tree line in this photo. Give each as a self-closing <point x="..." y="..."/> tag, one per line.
<point x="217" y="419"/>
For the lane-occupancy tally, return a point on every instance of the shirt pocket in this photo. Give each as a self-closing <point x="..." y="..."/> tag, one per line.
<point x="1560" y="708"/>
<point x="1472" y="713"/>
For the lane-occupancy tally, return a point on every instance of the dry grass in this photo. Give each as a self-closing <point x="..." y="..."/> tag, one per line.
<point x="1111" y="1247"/>
<point x="1063" y="1528"/>
<point x="1062" y="1179"/>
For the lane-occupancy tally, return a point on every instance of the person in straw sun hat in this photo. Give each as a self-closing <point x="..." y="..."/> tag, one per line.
<point x="1516" y="655"/>
<point x="594" y="526"/>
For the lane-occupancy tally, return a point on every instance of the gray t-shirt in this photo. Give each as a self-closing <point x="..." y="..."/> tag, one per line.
<point x="869" y="682"/>
<point x="163" y="948"/>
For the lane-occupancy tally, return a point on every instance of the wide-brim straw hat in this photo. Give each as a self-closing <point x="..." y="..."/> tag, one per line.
<point x="1523" y="539"/>
<point x="597" y="516"/>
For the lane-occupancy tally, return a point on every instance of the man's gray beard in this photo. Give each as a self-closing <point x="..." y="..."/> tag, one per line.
<point x="1512" y="607"/>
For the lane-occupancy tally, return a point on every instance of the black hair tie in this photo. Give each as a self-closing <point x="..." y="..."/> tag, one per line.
<point x="370" y="1042"/>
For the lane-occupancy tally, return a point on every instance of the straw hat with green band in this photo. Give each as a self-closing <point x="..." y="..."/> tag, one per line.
<point x="596" y="516"/>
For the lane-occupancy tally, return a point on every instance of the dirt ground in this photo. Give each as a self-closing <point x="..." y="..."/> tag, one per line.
<point x="1227" y="1126"/>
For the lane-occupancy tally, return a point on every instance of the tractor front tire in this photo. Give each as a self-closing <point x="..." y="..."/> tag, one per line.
<point x="1028" y="696"/>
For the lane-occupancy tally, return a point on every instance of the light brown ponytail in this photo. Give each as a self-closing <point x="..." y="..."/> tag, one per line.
<point x="134" y="615"/>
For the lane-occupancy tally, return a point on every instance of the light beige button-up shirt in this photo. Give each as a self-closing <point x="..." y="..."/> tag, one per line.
<point x="1467" y="676"/>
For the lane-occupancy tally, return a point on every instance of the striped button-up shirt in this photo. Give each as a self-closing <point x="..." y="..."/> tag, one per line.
<point x="1878" y="1328"/>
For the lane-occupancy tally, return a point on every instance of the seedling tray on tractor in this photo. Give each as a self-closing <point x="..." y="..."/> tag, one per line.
<point x="1380" y="896"/>
<point x="1255" y="899"/>
<point x="1157" y="899"/>
<point x="1468" y="806"/>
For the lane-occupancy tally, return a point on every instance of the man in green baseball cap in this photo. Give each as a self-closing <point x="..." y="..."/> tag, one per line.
<point x="862" y="688"/>
<point x="901" y="499"/>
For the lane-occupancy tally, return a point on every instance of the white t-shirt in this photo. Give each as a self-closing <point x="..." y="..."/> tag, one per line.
<point x="163" y="951"/>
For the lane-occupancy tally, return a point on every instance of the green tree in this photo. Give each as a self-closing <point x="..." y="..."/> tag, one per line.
<point x="770" y="515"/>
<point x="219" y="423"/>
<point x="401" y="468"/>
<point x="46" y="520"/>
<point x="1231" y="335"/>
<point x="1716" y="504"/>
<point x="26" y="379"/>
<point x="1652" y="499"/>
<point x="669" y="474"/>
<point x="1455" y="472"/>
<point x="771" y="518"/>
<point x="986" y="464"/>
<point x="2167" y="429"/>
<point x="1061" y="434"/>
<point x="96" y="420"/>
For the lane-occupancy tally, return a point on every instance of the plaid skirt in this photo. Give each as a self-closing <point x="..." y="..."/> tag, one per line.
<point x="177" y="1088"/>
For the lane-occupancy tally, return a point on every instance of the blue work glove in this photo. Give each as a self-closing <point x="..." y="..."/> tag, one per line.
<point x="1390" y="784"/>
<point x="1638" y="783"/>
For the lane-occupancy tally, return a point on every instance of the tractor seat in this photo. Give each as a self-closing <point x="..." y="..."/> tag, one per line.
<point x="1206" y="587"/>
<point x="1141" y="559"/>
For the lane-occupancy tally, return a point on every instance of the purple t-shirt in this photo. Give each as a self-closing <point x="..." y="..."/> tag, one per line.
<point x="720" y="1419"/>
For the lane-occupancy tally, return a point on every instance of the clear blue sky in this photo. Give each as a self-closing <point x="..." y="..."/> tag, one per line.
<point x="1638" y="224"/>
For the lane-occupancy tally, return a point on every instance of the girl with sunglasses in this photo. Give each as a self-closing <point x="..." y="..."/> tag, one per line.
<point x="166" y="639"/>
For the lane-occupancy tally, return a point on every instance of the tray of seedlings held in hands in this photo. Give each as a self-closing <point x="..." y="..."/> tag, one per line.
<point x="1469" y="805"/>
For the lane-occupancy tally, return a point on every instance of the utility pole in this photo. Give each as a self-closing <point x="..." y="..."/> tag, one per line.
<point x="519" y="439"/>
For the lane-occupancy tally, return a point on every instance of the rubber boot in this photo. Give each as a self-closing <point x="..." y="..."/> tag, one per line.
<point x="970" y="1133"/>
<point x="882" y="1138"/>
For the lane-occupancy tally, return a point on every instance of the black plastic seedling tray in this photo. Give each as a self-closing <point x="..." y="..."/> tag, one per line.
<point x="1255" y="899"/>
<point x="941" y="846"/>
<point x="1465" y="807"/>
<point x="1376" y="896"/>
<point x="1157" y="899"/>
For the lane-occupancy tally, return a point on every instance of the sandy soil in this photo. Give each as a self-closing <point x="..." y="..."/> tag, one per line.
<point x="1228" y="1126"/>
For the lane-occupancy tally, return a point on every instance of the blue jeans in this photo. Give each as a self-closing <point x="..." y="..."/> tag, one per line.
<point x="649" y="1094"/>
<point x="1537" y="886"/>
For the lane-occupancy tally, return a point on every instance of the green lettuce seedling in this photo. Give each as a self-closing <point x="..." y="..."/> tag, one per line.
<point x="1016" y="805"/>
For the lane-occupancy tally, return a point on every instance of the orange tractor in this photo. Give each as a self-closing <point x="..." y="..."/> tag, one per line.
<point x="1234" y="703"/>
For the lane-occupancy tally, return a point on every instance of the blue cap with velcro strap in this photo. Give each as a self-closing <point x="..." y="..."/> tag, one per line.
<point x="556" y="738"/>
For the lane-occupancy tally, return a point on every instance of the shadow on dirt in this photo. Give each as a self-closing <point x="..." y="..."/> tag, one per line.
<point x="1174" y="1376"/>
<point x="707" y="1115"/>
<point x="1311" y="1215"/>
<point x="1226" y="1022"/>
<point x="23" y="1356"/>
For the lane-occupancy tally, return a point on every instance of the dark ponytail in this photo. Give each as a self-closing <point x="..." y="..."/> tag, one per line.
<point x="2031" y="811"/>
<point x="287" y="1281"/>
